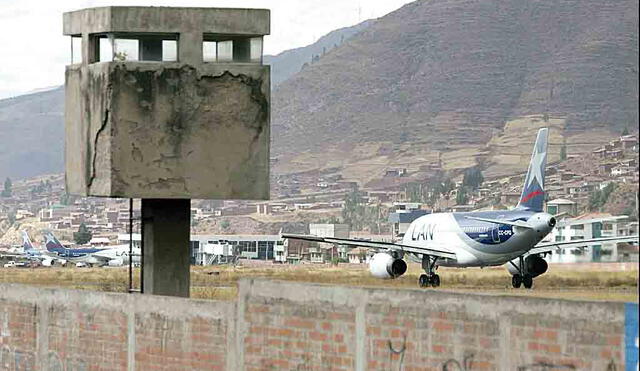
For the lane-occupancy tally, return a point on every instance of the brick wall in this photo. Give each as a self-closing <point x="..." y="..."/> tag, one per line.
<point x="295" y="326"/>
<point x="298" y="326"/>
<point x="69" y="330"/>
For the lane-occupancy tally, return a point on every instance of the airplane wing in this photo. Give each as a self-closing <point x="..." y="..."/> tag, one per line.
<point x="435" y="251"/>
<point x="12" y="256"/>
<point x="555" y="246"/>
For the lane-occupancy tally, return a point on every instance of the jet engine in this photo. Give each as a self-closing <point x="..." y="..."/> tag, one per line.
<point x="91" y="261"/>
<point x="384" y="265"/>
<point x="533" y="265"/>
<point x="48" y="262"/>
<point x="116" y="262"/>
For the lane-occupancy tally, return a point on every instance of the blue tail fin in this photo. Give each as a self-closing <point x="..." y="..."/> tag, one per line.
<point x="26" y="242"/>
<point x="532" y="197"/>
<point x="52" y="242"/>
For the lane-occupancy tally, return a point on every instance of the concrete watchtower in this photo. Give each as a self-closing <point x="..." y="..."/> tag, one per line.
<point x="167" y="104"/>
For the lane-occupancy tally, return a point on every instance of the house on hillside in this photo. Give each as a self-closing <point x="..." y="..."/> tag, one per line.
<point x="562" y="205"/>
<point x="629" y="142"/>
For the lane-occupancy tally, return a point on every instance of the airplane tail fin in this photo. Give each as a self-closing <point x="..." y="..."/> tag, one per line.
<point x="532" y="197"/>
<point x="52" y="242"/>
<point x="26" y="241"/>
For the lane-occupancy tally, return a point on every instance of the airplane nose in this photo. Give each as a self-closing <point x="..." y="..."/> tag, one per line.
<point x="552" y="222"/>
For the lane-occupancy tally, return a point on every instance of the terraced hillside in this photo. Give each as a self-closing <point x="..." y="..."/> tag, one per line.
<point x="446" y="76"/>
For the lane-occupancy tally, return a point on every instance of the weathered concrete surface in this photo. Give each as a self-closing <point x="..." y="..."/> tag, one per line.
<point x="170" y="130"/>
<point x="293" y="326"/>
<point x="167" y="20"/>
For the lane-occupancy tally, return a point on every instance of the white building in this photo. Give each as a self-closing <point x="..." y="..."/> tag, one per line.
<point x="259" y="247"/>
<point x="325" y="251"/>
<point x="588" y="226"/>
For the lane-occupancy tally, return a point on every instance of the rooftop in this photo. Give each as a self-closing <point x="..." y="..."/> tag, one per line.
<point x="137" y="19"/>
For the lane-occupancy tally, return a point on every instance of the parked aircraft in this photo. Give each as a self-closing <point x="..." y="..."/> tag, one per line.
<point x="108" y="255"/>
<point x="477" y="239"/>
<point x="29" y="252"/>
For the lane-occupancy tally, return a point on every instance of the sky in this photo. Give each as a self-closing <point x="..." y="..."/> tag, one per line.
<point x="34" y="51"/>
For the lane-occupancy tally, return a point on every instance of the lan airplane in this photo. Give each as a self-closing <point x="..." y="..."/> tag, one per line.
<point x="114" y="256"/>
<point x="476" y="239"/>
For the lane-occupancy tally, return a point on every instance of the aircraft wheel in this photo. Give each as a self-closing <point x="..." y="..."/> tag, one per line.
<point x="423" y="281"/>
<point x="516" y="281"/>
<point x="527" y="281"/>
<point x="435" y="280"/>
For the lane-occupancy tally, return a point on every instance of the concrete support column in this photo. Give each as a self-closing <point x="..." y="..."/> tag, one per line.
<point x="165" y="234"/>
<point x="190" y="48"/>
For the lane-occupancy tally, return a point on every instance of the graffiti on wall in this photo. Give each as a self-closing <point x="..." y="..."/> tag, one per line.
<point x="19" y="360"/>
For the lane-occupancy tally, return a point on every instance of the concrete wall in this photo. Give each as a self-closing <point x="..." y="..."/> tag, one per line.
<point x="294" y="326"/>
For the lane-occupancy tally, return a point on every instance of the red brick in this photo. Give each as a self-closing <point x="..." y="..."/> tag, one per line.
<point x="301" y="323"/>
<point x="443" y="326"/>
<point x="317" y="336"/>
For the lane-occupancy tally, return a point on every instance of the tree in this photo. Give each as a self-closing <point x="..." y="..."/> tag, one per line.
<point x="625" y="131"/>
<point x="83" y="235"/>
<point x="462" y="197"/>
<point x="7" y="188"/>
<point x="598" y="198"/>
<point x="359" y="215"/>
<point x="563" y="151"/>
<point x="66" y="199"/>
<point x="11" y="217"/>
<point x="472" y="178"/>
<point x="225" y="224"/>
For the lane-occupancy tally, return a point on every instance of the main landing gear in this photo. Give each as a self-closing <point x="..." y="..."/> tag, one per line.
<point x="431" y="278"/>
<point x="521" y="278"/>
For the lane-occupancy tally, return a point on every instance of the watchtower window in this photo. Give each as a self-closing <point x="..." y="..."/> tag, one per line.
<point x="224" y="49"/>
<point x="76" y="49"/>
<point x="135" y="47"/>
<point x="126" y="50"/>
<point x="209" y="51"/>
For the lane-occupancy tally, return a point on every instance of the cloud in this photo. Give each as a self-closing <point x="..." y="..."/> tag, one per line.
<point x="35" y="51"/>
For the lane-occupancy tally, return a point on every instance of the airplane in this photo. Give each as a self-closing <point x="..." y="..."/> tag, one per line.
<point x="29" y="252"/>
<point x="109" y="255"/>
<point x="476" y="239"/>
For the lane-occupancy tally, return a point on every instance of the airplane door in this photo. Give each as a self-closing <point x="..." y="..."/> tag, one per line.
<point x="495" y="236"/>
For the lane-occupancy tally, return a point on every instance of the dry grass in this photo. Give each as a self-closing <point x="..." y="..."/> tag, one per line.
<point x="220" y="282"/>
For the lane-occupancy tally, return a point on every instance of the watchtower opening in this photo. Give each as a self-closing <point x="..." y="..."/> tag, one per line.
<point x="231" y="49"/>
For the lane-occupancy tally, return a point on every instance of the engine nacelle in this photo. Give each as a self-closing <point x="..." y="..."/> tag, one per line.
<point x="47" y="262"/>
<point x="533" y="265"/>
<point x="116" y="262"/>
<point x="383" y="265"/>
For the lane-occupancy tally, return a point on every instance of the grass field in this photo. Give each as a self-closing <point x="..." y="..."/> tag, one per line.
<point x="220" y="282"/>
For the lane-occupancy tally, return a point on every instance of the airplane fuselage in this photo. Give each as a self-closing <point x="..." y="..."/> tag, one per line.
<point x="479" y="243"/>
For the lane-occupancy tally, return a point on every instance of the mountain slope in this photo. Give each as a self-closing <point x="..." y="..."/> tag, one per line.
<point x="32" y="134"/>
<point x="448" y="74"/>
<point x="290" y="62"/>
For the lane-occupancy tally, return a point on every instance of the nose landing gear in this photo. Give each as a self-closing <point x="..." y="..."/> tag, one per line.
<point x="430" y="278"/>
